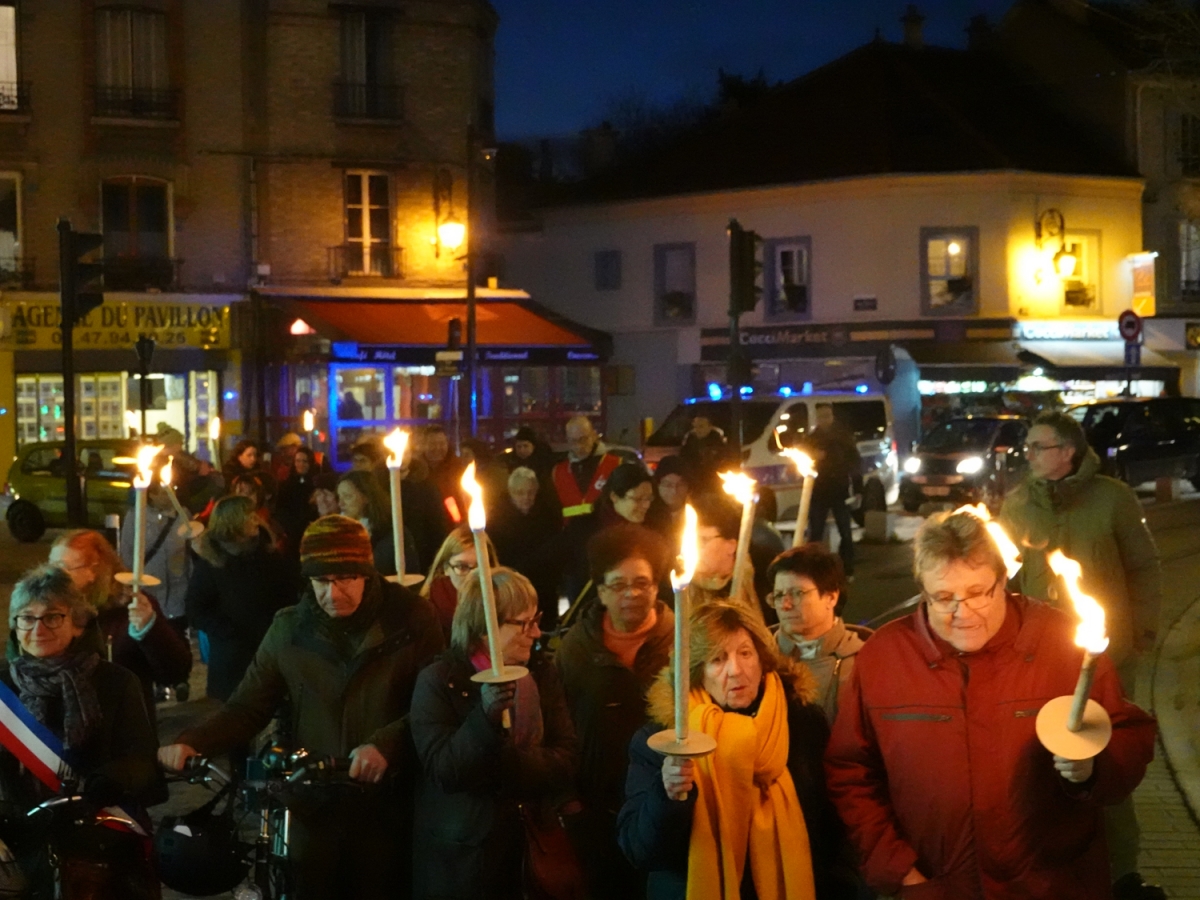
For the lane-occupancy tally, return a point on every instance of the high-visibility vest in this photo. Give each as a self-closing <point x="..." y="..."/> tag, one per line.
<point x="575" y="503"/>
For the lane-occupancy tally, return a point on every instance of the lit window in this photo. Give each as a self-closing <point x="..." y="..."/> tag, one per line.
<point x="368" y="225"/>
<point x="788" y="277"/>
<point x="949" y="263"/>
<point x="675" y="284"/>
<point x="1189" y="261"/>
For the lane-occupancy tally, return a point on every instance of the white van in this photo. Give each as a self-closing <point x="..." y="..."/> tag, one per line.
<point x="771" y="422"/>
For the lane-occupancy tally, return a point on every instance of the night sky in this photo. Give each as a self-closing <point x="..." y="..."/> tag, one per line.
<point x="559" y="63"/>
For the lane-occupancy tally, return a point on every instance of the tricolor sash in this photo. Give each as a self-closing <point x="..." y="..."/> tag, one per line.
<point x="41" y="752"/>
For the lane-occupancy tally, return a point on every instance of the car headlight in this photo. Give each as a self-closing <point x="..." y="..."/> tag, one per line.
<point x="912" y="465"/>
<point x="970" y="465"/>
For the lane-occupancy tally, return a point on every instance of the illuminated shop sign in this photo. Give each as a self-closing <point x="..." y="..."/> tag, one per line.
<point x="1068" y="330"/>
<point x="349" y="351"/>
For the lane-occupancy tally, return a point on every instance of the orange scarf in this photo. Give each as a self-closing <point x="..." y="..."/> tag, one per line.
<point x="746" y="805"/>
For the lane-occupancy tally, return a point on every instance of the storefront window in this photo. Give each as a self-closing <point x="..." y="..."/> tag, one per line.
<point x="581" y="391"/>
<point x="416" y="394"/>
<point x="360" y="396"/>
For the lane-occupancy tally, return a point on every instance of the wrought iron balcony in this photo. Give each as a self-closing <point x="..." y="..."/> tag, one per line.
<point x="14" y="97"/>
<point x="368" y="101"/>
<point x="141" y="273"/>
<point x="378" y="260"/>
<point x="137" y="103"/>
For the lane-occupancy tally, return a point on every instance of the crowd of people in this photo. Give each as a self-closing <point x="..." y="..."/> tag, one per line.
<point x="847" y="764"/>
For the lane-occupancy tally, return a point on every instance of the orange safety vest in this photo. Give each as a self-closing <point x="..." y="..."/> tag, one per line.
<point x="573" y="502"/>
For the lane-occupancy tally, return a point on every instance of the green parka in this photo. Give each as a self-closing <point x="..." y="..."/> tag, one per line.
<point x="1098" y="522"/>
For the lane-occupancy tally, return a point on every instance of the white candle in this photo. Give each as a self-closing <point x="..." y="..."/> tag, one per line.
<point x="804" y="465"/>
<point x="1090" y="635"/>
<point x="141" y="483"/>
<point x="683" y="622"/>
<point x="477" y="519"/>
<point x="165" y="476"/>
<point x="742" y="488"/>
<point x="397" y="442"/>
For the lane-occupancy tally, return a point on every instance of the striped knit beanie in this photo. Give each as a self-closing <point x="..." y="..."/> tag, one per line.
<point x="336" y="545"/>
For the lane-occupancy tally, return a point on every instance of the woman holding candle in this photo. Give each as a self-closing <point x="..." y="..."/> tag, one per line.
<point x="359" y="497"/>
<point x="453" y="568"/>
<point x="478" y="778"/>
<point x="718" y="827"/>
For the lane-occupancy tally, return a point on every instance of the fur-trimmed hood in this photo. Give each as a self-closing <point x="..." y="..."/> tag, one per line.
<point x="217" y="553"/>
<point x="798" y="683"/>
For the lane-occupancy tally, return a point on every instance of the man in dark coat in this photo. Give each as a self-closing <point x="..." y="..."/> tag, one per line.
<point x="526" y="529"/>
<point x="608" y="660"/>
<point x="705" y="452"/>
<point x="839" y="469"/>
<point x="346" y="658"/>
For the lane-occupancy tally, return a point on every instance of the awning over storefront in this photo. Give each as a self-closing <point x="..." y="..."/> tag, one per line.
<point x="994" y="361"/>
<point x="1096" y="361"/>
<point x="408" y="325"/>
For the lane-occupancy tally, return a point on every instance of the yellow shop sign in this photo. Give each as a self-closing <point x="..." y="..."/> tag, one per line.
<point x="35" y="325"/>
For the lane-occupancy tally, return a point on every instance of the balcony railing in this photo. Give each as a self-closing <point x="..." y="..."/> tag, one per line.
<point x="14" y="97"/>
<point x="137" y="103"/>
<point x="368" y="101"/>
<point x="379" y="260"/>
<point x="16" y="272"/>
<point x="141" y="273"/>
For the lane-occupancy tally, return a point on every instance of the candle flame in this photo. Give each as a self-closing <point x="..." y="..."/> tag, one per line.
<point x="740" y="486"/>
<point x="308" y="420"/>
<point x="689" y="549"/>
<point x="476" y="517"/>
<point x="802" y="461"/>
<point x="214" y="428"/>
<point x="397" y="443"/>
<point x="1008" y="550"/>
<point x="1090" y="633"/>
<point x="166" y="474"/>
<point x="145" y="465"/>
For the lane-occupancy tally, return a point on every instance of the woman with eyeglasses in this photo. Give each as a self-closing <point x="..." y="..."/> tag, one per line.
<point x="626" y="498"/>
<point x="479" y="779"/>
<point x="453" y="566"/>
<point x="608" y="660"/>
<point x="807" y="587"/>
<point x="95" y="710"/>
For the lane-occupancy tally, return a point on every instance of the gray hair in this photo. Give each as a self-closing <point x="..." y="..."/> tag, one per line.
<point x="514" y="595"/>
<point x="949" y="537"/>
<point x="52" y="586"/>
<point x="1068" y="430"/>
<point x="521" y="475"/>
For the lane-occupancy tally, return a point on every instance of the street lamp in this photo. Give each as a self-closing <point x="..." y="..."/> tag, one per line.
<point x="451" y="234"/>
<point x="1051" y="224"/>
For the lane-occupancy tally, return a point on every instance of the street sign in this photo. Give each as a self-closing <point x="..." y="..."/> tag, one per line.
<point x="449" y="363"/>
<point x="1133" y="354"/>
<point x="1129" y="324"/>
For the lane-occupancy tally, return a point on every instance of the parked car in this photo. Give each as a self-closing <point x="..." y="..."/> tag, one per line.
<point x="971" y="459"/>
<point x="1140" y="440"/>
<point x="37" y="488"/>
<point x="772" y="422"/>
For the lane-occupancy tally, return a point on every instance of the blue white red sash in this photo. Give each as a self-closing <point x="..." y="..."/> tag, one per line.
<point x="40" y="751"/>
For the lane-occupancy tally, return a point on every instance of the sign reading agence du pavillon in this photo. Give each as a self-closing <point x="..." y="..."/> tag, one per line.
<point x="36" y="324"/>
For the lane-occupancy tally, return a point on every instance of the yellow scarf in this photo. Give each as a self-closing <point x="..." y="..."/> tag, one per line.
<point x="746" y="803"/>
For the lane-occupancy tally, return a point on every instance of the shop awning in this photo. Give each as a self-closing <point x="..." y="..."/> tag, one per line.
<point x="410" y="325"/>
<point x="994" y="361"/>
<point x="1095" y="361"/>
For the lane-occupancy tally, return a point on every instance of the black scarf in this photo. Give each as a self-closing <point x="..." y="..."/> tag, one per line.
<point x="66" y="678"/>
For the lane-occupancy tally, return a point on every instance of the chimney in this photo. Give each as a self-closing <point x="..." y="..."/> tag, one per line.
<point x="912" y="21"/>
<point x="979" y="33"/>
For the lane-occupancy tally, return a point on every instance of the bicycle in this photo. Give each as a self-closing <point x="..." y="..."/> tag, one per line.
<point x="203" y="854"/>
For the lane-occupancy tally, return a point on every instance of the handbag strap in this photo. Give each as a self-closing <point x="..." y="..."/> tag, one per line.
<point x="160" y="540"/>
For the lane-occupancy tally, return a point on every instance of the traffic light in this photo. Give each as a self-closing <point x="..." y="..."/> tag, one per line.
<point x="81" y="283"/>
<point x="744" y="269"/>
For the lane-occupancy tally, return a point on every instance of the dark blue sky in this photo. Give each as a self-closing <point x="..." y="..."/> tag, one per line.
<point x="559" y="62"/>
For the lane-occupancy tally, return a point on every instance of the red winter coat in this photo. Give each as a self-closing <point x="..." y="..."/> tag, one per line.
<point x="931" y="768"/>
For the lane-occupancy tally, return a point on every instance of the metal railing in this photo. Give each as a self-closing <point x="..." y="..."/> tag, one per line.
<point x="368" y="101"/>
<point x="141" y="273"/>
<point x="14" y="97"/>
<point x="137" y="103"/>
<point x="379" y="260"/>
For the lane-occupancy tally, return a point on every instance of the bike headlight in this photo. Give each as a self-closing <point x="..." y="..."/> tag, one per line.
<point x="970" y="465"/>
<point x="912" y="465"/>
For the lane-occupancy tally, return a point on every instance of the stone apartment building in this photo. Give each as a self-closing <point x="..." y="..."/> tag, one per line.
<point x="243" y="159"/>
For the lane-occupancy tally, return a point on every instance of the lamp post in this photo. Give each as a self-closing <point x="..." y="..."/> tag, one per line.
<point x="144" y="348"/>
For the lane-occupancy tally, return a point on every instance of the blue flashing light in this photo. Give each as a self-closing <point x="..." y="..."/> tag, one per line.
<point x="861" y="389"/>
<point x="689" y="400"/>
<point x="806" y="388"/>
<point x="229" y="395"/>
<point x="786" y="391"/>
<point x="745" y="390"/>
<point x="714" y="391"/>
<point x="3" y="410"/>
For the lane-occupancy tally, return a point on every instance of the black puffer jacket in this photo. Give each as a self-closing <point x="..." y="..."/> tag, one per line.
<point x="470" y="840"/>
<point x="232" y="597"/>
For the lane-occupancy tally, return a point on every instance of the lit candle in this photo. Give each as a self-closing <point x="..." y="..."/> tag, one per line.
<point x="804" y="465"/>
<point x="690" y="552"/>
<point x="308" y="420"/>
<point x="1008" y="550"/>
<point x="477" y="520"/>
<point x="1090" y="634"/>
<point x="141" y="483"/>
<point x="214" y="437"/>
<point x="742" y="488"/>
<point x="397" y="443"/>
<point x="165" y="475"/>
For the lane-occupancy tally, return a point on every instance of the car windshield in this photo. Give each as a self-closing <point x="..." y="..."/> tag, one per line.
<point x="867" y="419"/>
<point x="959" y="435"/>
<point x="756" y="415"/>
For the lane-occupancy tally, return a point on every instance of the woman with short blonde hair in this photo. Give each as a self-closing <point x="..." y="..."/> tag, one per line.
<point x="453" y="567"/>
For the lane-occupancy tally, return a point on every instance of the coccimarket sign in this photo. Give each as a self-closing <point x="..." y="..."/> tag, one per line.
<point x="117" y="324"/>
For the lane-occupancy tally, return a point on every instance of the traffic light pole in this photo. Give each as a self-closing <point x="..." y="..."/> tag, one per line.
<point x="67" y="287"/>
<point x="472" y="353"/>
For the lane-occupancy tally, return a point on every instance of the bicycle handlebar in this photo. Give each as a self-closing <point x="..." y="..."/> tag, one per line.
<point x="319" y="768"/>
<point x="201" y="768"/>
<point x="53" y="803"/>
